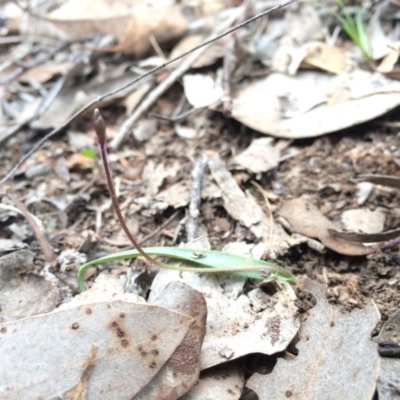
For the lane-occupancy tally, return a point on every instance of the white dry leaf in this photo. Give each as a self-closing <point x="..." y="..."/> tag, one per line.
<point x="78" y="141"/>
<point x="313" y="103"/>
<point x="201" y="90"/>
<point x="364" y="190"/>
<point x="254" y="250"/>
<point x="133" y="341"/>
<point x="390" y="60"/>
<point x="234" y="328"/>
<point x="186" y="132"/>
<point x="260" y="156"/>
<point x="224" y="382"/>
<point x="364" y="220"/>
<point x="337" y="358"/>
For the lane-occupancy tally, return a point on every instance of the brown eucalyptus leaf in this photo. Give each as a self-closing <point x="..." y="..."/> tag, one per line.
<point x="366" y="237"/>
<point x="337" y="358"/>
<point x="305" y="218"/>
<point x="384" y="180"/>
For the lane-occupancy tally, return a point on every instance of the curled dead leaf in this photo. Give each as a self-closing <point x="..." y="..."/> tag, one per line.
<point x="306" y="219"/>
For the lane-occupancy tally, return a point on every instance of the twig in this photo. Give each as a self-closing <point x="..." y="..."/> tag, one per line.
<point x="195" y="198"/>
<point x="152" y="97"/>
<point x="160" y="228"/>
<point x="88" y="106"/>
<point x="44" y="244"/>
<point x="159" y="90"/>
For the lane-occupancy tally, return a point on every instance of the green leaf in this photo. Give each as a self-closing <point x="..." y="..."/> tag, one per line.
<point x="362" y="34"/>
<point x="353" y="26"/>
<point x="89" y="153"/>
<point x="214" y="261"/>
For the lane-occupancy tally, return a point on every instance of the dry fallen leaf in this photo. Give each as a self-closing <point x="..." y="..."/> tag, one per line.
<point x="130" y="22"/>
<point x="23" y="294"/>
<point x="244" y="208"/>
<point x="213" y="53"/>
<point x="389" y="376"/>
<point x="201" y="90"/>
<point x="389" y="61"/>
<point x="364" y="220"/>
<point x="238" y="323"/>
<point x="134" y="340"/>
<point x="325" y="57"/>
<point x="154" y="174"/>
<point x="181" y="372"/>
<point x="306" y="219"/>
<point x="313" y="103"/>
<point x="260" y="156"/>
<point x="44" y="72"/>
<point x="333" y="347"/>
<point x="71" y="99"/>
<point x="225" y="382"/>
<point x="389" y="379"/>
<point x="303" y="26"/>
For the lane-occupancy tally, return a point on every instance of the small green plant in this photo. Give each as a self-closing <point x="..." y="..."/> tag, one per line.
<point x="89" y="153"/>
<point x="210" y="261"/>
<point x="354" y="26"/>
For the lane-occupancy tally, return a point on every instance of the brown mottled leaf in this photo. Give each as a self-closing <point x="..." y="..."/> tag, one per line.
<point x="306" y="219"/>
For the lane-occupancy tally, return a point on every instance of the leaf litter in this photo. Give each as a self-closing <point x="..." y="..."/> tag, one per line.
<point x="123" y="345"/>
<point x="331" y="347"/>
<point x="275" y="78"/>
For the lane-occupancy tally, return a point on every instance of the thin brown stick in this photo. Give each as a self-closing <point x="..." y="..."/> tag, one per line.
<point x="160" y="228"/>
<point x="39" y="144"/>
<point x="44" y="244"/>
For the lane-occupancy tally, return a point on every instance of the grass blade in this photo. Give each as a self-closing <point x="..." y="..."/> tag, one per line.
<point x="209" y="261"/>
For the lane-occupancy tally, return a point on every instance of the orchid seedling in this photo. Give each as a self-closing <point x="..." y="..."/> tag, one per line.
<point x="209" y="261"/>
